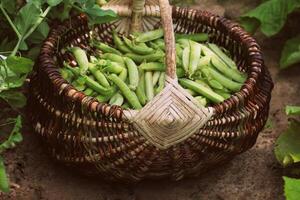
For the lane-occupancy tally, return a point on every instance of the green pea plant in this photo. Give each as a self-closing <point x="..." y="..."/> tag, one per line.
<point x="24" y="26"/>
<point x="270" y="17"/>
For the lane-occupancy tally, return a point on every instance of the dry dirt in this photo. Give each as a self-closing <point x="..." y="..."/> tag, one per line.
<point x="254" y="175"/>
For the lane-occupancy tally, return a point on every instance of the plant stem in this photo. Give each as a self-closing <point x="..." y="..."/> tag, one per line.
<point x="10" y="22"/>
<point x="37" y="23"/>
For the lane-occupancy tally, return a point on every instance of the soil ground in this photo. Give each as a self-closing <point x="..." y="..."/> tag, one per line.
<point x="253" y="175"/>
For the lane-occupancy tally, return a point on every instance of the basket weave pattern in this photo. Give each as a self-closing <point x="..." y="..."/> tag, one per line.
<point x="96" y="138"/>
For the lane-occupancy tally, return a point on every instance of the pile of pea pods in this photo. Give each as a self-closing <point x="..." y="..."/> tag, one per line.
<point x="132" y="71"/>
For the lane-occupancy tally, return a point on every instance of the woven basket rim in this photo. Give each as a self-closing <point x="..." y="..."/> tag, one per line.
<point x="255" y="63"/>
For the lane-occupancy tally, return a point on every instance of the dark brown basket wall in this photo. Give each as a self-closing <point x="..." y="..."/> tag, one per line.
<point x="96" y="139"/>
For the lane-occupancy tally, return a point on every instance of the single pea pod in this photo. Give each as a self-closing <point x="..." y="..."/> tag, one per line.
<point x="100" y="77"/>
<point x="195" y="51"/>
<point x="66" y="74"/>
<point x="123" y="74"/>
<point x="140" y="90"/>
<point x="191" y="92"/>
<point x="197" y="37"/>
<point x="204" y="61"/>
<point x="139" y="49"/>
<point x="200" y="89"/>
<point x="102" y="99"/>
<point x="104" y="47"/>
<point x="180" y="72"/>
<point x="4" y="183"/>
<point x="128" y="94"/>
<point x="161" y="44"/>
<point x="228" y="61"/>
<point x="153" y="66"/>
<point x="186" y="59"/>
<point x="117" y="99"/>
<point x="201" y="100"/>
<point x="229" y="72"/>
<point x="226" y="95"/>
<point x="113" y="67"/>
<point x="81" y="59"/>
<point x="114" y="57"/>
<point x="147" y="58"/>
<point x="133" y="73"/>
<point x="183" y="42"/>
<point x="215" y="84"/>
<point x="150" y="35"/>
<point x="161" y="83"/>
<point x="88" y="92"/>
<point x="119" y="43"/>
<point x="203" y="83"/>
<point x="149" y="86"/>
<point x="156" y="76"/>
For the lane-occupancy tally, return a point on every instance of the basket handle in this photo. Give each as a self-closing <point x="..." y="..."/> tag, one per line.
<point x="167" y="24"/>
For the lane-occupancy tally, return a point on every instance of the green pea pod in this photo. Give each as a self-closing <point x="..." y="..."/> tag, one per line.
<point x="186" y="59"/>
<point x="161" y="83"/>
<point x="228" y="61"/>
<point x="123" y="74"/>
<point x="102" y="99"/>
<point x="155" y="78"/>
<point x="126" y="106"/>
<point x="81" y="58"/>
<point x="147" y="58"/>
<point x="114" y="58"/>
<point x="105" y="48"/>
<point x="215" y="84"/>
<point x="153" y="66"/>
<point x="153" y="45"/>
<point x="180" y="72"/>
<point x="226" y="95"/>
<point x="197" y="37"/>
<point x="133" y="73"/>
<point x="139" y="49"/>
<point x="128" y="94"/>
<point x="78" y="86"/>
<point x="97" y="87"/>
<point x="204" y="61"/>
<point x="113" y="67"/>
<point x="179" y="51"/>
<point x="229" y="72"/>
<point x="191" y="92"/>
<point x="117" y="99"/>
<point x="200" y="89"/>
<point x="66" y="74"/>
<point x="100" y="77"/>
<point x="119" y="43"/>
<point x="4" y="183"/>
<point x="161" y="44"/>
<point x="140" y="91"/>
<point x="203" y="83"/>
<point x="149" y="85"/>
<point x="201" y="100"/>
<point x="226" y="82"/>
<point x="88" y="92"/>
<point x="183" y="42"/>
<point x="195" y="51"/>
<point x="150" y="35"/>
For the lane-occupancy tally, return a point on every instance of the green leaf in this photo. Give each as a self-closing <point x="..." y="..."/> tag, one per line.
<point x="9" y="6"/>
<point x="4" y="185"/>
<point x="40" y="34"/>
<point x="291" y="53"/>
<point x="19" y="65"/>
<point x="291" y="188"/>
<point x="287" y="146"/>
<point x="98" y="15"/>
<point x="14" y="137"/>
<point x="292" y="110"/>
<point x="14" y="98"/>
<point x="26" y="17"/>
<point x="271" y="16"/>
<point x="54" y="2"/>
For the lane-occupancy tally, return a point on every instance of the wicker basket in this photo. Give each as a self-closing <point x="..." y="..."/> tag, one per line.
<point x="128" y="145"/>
